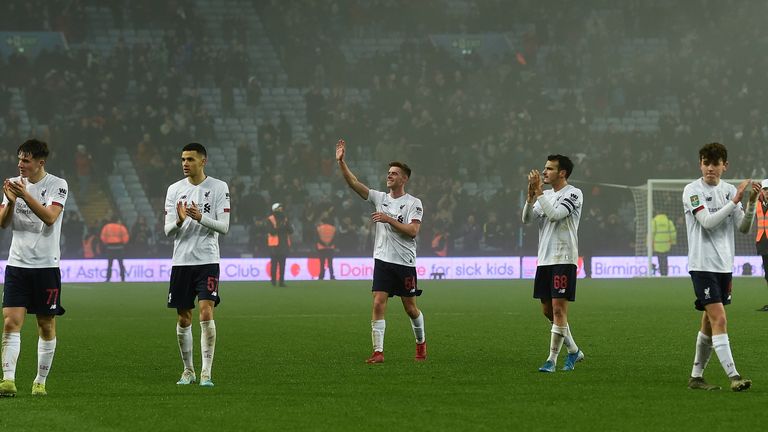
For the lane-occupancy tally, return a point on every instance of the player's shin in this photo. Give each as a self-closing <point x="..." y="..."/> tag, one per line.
<point x="377" y="334"/>
<point x="417" y="324"/>
<point x="10" y="354"/>
<point x="208" y="346"/>
<point x="45" y="352"/>
<point x="722" y="347"/>
<point x="556" y="341"/>
<point x="568" y="341"/>
<point x="703" y="354"/>
<point x="186" y="348"/>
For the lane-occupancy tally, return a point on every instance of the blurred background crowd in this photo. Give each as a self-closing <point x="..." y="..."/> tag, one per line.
<point x="472" y="94"/>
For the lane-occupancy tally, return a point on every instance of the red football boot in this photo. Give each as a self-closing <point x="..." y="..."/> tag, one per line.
<point x="376" y="357"/>
<point x="421" y="351"/>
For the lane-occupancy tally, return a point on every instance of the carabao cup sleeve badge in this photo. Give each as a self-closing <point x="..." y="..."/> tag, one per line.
<point x="695" y="201"/>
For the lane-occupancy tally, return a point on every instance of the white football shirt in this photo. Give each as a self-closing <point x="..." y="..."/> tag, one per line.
<point x="558" y="237"/>
<point x="391" y="245"/>
<point x="34" y="244"/>
<point x="195" y="244"/>
<point x="712" y="249"/>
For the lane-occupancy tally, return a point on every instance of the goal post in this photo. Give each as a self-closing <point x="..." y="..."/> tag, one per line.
<point x="666" y="196"/>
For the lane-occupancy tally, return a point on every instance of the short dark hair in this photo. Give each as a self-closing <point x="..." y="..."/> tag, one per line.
<point x="563" y="163"/>
<point x="406" y="169"/>
<point x="196" y="147"/>
<point x="713" y="152"/>
<point x="35" y="148"/>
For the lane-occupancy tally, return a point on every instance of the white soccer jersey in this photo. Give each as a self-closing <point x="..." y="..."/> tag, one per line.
<point x="195" y="244"/>
<point x="558" y="235"/>
<point x="391" y="245"/>
<point x="34" y="244"/>
<point x="712" y="249"/>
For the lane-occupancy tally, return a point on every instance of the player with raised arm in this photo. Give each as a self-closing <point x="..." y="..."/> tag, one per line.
<point x="32" y="207"/>
<point x="196" y="212"/>
<point x="397" y="217"/>
<point x="713" y="208"/>
<point x="557" y="211"/>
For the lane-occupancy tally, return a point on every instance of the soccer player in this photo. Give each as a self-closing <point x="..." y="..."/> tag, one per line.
<point x="32" y="207"/>
<point x="761" y="240"/>
<point x="713" y="208"/>
<point x="196" y="212"/>
<point x="397" y="216"/>
<point x="557" y="211"/>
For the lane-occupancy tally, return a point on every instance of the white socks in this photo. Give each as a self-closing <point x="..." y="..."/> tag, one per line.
<point x="184" y="337"/>
<point x="418" y="328"/>
<point x="723" y="350"/>
<point x="377" y="334"/>
<point x="556" y="341"/>
<point x="10" y="354"/>
<point x="45" y="351"/>
<point x="207" y="346"/>
<point x="569" y="343"/>
<point x="703" y="353"/>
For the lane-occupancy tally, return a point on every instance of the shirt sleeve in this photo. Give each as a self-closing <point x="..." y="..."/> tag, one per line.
<point x="570" y="202"/>
<point x="59" y="196"/>
<point x="416" y="212"/>
<point x="170" y="212"/>
<point x="692" y="200"/>
<point x="223" y="200"/>
<point x="375" y="197"/>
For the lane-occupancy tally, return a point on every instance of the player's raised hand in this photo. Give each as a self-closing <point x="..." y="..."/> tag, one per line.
<point x="181" y="213"/>
<point x="18" y="188"/>
<point x="756" y="188"/>
<point x="193" y="211"/>
<point x="740" y="190"/>
<point x="341" y="147"/>
<point x="8" y="192"/>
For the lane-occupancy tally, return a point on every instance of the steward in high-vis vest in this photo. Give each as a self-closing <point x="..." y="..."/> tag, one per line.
<point x="114" y="237"/>
<point x="664" y="237"/>
<point x="761" y="239"/>
<point x="326" y="233"/>
<point x="279" y="232"/>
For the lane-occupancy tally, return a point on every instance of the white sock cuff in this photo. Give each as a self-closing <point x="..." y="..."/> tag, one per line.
<point x="419" y="320"/>
<point x="183" y="330"/>
<point x="378" y="324"/>
<point x="208" y="324"/>
<point x="562" y="331"/>
<point x="12" y="336"/>
<point x="721" y="339"/>
<point x="704" y="338"/>
<point x="46" y="344"/>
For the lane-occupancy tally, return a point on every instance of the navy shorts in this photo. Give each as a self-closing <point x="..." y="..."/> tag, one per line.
<point x="37" y="289"/>
<point x="711" y="288"/>
<point x="188" y="282"/>
<point x="555" y="281"/>
<point x="395" y="279"/>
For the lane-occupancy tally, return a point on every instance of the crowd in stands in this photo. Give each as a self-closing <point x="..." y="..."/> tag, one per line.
<point x="471" y="127"/>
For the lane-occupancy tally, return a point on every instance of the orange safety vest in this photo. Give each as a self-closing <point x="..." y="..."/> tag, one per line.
<point x="114" y="234"/>
<point x="273" y="239"/>
<point x="326" y="233"/>
<point x="436" y="244"/>
<point x="762" y="221"/>
<point x="90" y="247"/>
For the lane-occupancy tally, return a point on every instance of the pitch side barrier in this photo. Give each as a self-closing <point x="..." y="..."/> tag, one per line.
<point x="302" y="269"/>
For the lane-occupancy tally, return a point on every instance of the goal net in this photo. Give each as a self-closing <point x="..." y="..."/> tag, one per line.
<point x="666" y="196"/>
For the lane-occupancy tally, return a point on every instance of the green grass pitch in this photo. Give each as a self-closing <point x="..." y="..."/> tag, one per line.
<point x="293" y="359"/>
